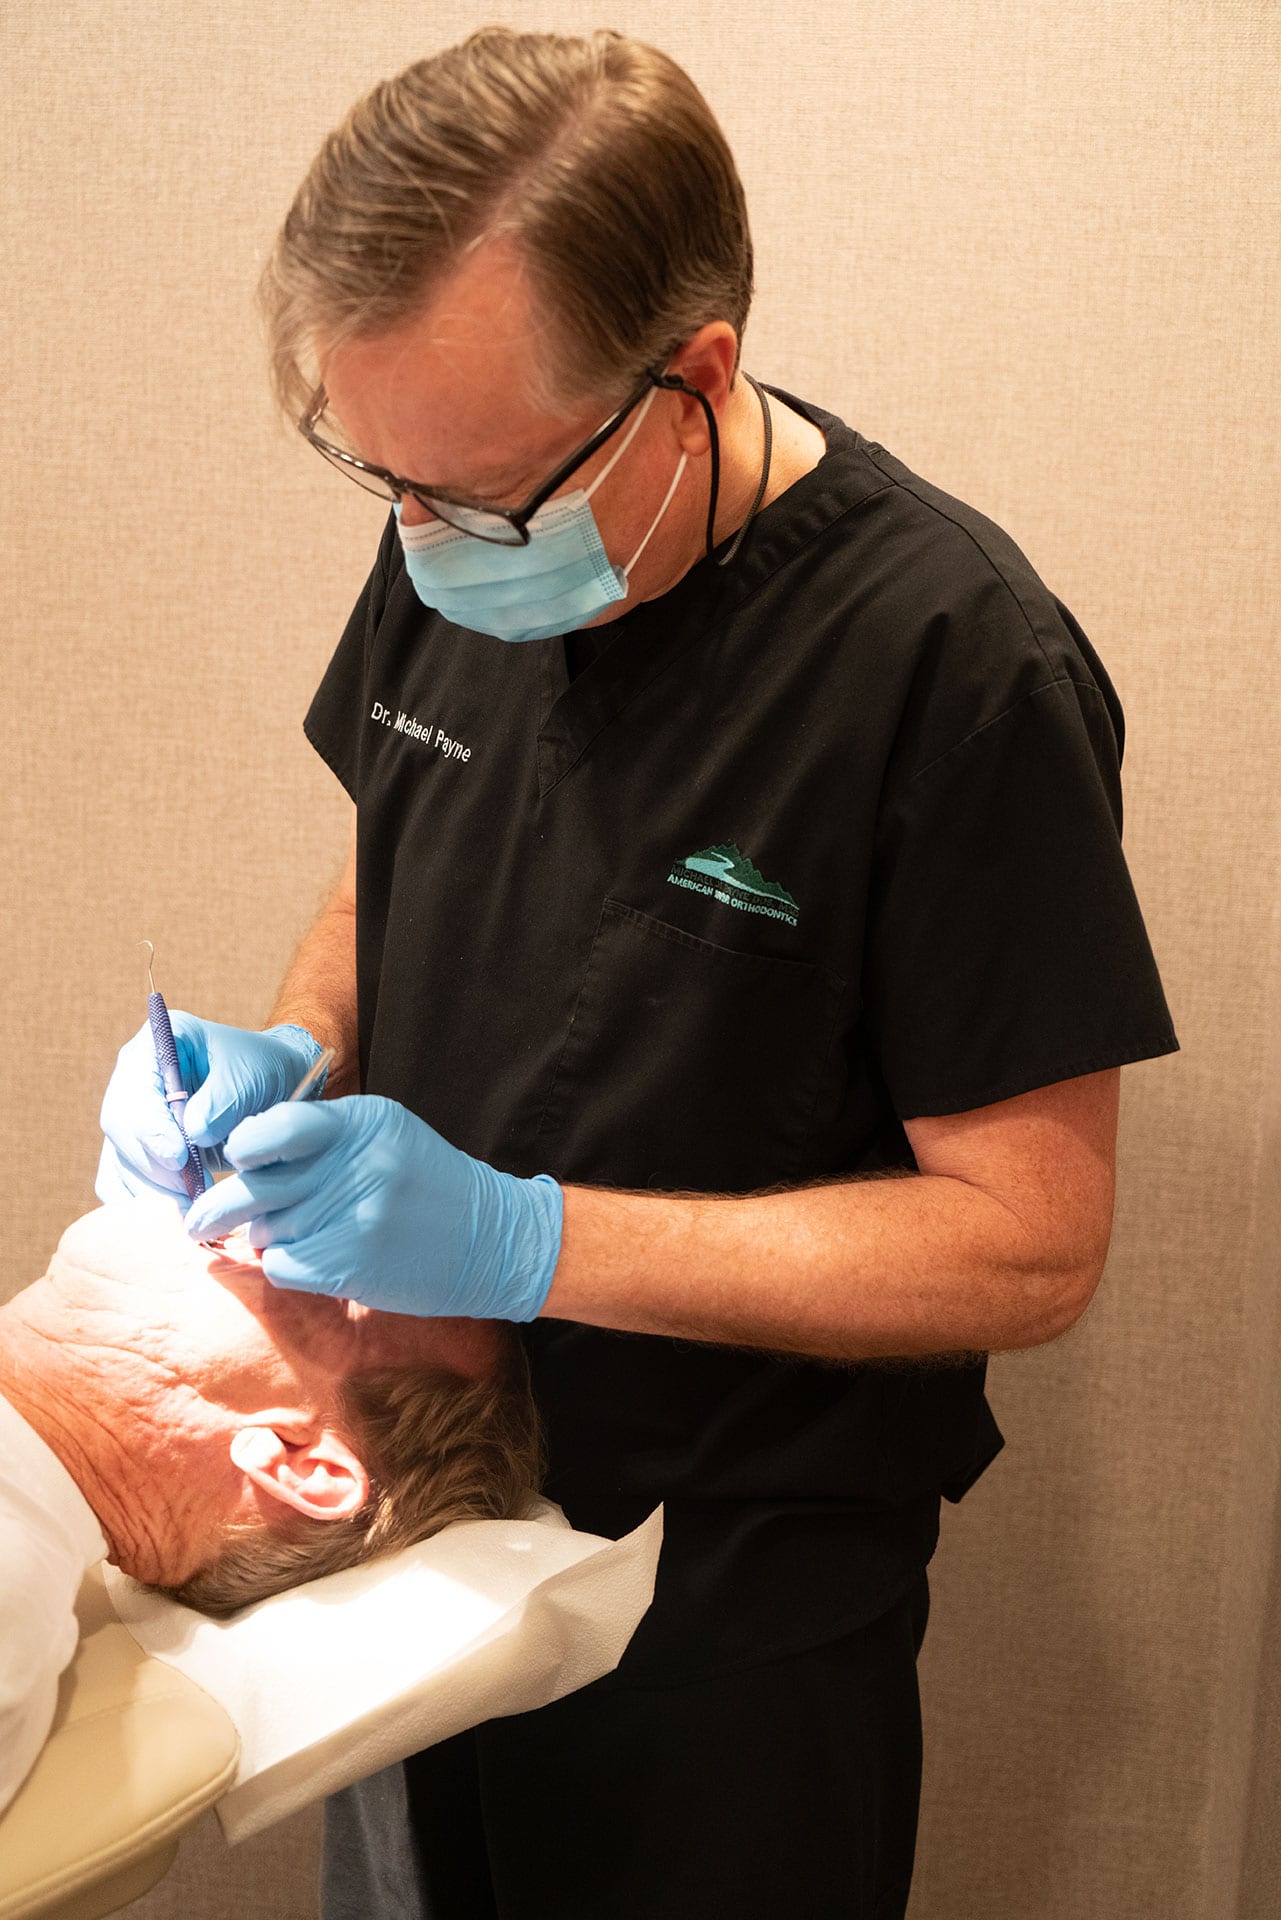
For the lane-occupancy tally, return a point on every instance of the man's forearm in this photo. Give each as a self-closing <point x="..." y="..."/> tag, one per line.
<point x="319" y="993"/>
<point x="856" y="1269"/>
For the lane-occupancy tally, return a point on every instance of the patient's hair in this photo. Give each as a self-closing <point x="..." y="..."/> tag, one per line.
<point x="437" y="1446"/>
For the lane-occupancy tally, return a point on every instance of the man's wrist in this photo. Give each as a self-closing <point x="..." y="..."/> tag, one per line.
<point x="547" y="1199"/>
<point x="519" y="1252"/>
<point x="325" y="1026"/>
<point x="306" y="1048"/>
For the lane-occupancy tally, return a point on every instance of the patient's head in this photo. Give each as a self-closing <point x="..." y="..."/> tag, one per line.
<point x="234" y="1438"/>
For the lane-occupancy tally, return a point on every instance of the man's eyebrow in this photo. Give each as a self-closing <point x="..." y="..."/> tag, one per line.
<point x="504" y="477"/>
<point x="510" y="473"/>
<point x="500" y="477"/>
<point x="487" y="490"/>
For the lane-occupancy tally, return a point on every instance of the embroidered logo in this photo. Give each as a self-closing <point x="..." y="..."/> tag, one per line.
<point x="727" y="875"/>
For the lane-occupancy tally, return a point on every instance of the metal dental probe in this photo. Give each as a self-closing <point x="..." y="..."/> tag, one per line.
<point x="193" y="1168"/>
<point x="313" y="1073"/>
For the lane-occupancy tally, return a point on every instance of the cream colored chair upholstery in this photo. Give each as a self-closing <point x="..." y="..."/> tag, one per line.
<point x="137" y="1751"/>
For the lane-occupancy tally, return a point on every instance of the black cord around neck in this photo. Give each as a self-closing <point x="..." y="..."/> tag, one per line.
<point x="675" y="382"/>
<point x="760" y="491"/>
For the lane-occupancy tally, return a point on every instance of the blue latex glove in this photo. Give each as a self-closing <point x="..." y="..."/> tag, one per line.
<point x="359" y="1197"/>
<point x="230" y="1072"/>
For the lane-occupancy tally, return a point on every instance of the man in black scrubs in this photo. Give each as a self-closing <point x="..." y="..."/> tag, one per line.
<point x="729" y="982"/>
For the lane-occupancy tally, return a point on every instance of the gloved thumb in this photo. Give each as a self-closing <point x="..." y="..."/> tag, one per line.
<point x="243" y="1078"/>
<point x="211" y="1112"/>
<point x="191" y="1037"/>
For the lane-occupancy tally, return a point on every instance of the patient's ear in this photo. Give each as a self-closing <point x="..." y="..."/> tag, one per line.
<point x="320" y="1477"/>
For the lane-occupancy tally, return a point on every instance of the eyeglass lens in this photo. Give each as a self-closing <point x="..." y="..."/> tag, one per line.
<point x="481" y="522"/>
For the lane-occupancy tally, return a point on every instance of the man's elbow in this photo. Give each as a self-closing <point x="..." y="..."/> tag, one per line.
<point x="1071" y="1285"/>
<point x="1054" y="1265"/>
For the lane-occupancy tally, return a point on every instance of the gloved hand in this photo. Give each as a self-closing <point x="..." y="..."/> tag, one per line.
<point x="359" y="1197"/>
<point x="230" y="1072"/>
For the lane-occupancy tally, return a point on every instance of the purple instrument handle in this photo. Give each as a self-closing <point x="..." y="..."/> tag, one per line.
<point x="193" y="1167"/>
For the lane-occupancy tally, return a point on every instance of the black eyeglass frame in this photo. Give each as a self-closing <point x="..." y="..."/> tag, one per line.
<point x="517" y="518"/>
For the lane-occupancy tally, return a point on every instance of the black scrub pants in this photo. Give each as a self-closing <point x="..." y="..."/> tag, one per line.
<point x="788" y="1789"/>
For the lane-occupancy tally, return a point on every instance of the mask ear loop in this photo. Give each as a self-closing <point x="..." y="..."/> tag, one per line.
<point x="676" y="383"/>
<point x="618" y="452"/>
<point x="653" y="525"/>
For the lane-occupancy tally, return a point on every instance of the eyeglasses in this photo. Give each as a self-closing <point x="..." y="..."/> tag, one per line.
<point x="504" y="527"/>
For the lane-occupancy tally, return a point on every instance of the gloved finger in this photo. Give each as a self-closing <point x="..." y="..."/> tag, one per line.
<point x="113" y="1184"/>
<point x="315" y="1212"/>
<point x="248" y="1072"/>
<point x="191" y="1038"/>
<point x="134" y="1116"/>
<point x="212" y="1111"/>
<point x="239" y="1081"/>
<point x="270" y="1230"/>
<point x="110" y="1183"/>
<point x="306" y="1266"/>
<point x="248" y="1196"/>
<point x="234" y="1086"/>
<point x="119" y="1178"/>
<point x="292" y="1130"/>
<point x="116" y="1180"/>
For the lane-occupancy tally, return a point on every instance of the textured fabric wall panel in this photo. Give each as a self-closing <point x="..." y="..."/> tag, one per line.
<point x="1247" y="1733"/>
<point x="1031" y="249"/>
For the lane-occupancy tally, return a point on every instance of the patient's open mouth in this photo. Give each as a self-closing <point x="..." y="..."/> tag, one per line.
<point x="237" y="1235"/>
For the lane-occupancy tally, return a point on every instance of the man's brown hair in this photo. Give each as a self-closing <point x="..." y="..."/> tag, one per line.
<point x="597" y="159"/>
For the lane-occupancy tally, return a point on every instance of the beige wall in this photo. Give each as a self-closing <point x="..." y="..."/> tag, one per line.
<point x="1031" y="248"/>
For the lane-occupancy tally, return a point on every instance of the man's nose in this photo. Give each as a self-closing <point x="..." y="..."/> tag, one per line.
<point x="413" y="513"/>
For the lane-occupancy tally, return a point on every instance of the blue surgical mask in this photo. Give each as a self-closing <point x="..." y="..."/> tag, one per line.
<point x="562" y="579"/>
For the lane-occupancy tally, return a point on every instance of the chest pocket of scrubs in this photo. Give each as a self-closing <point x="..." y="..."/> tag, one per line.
<point x="687" y="1064"/>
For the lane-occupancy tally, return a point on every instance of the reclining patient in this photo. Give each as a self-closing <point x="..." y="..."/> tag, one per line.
<point x="164" y="1406"/>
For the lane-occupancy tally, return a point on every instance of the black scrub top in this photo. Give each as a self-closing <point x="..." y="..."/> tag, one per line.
<point x="817" y="842"/>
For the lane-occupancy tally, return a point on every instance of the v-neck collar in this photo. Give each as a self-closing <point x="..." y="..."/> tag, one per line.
<point x="647" y="641"/>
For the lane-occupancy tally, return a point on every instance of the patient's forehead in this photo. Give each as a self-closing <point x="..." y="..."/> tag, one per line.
<point x="142" y="1243"/>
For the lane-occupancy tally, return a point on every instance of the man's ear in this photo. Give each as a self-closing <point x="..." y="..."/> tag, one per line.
<point x="320" y="1477"/>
